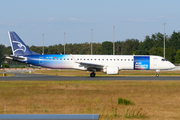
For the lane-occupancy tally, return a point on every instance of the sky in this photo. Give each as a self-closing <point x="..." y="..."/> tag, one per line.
<point x="131" y="18"/>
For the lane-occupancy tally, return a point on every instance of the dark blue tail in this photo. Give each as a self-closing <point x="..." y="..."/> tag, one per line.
<point x="18" y="46"/>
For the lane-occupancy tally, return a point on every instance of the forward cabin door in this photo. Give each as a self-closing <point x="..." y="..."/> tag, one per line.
<point x="155" y="61"/>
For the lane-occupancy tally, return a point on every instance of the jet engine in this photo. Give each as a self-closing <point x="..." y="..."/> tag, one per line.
<point x="111" y="70"/>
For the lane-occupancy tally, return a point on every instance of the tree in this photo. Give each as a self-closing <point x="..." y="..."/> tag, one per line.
<point x="118" y="46"/>
<point x="2" y="47"/>
<point x="177" y="56"/>
<point x="156" y="51"/>
<point x="96" y="47"/>
<point x="129" y="46"/>
<point x="170" y="54"/>
<point x="146" y="45"/>
<point x="174" y="40"/>
<point x="106" y="48"/>
<point x="159" y="40"/>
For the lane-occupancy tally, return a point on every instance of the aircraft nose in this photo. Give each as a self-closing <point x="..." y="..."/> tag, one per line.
<point x="172" y="65"/>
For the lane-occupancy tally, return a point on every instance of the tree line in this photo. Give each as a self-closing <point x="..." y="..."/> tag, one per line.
<point x="152" y="45"/>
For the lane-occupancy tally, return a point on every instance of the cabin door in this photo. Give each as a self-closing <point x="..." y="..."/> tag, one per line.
<point x="155" y="61"/>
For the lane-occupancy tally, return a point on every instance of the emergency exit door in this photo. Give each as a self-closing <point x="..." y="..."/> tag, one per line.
<point x="41" y="60"/>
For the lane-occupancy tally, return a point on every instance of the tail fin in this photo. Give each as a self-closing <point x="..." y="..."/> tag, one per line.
<point x="18" y="46"/>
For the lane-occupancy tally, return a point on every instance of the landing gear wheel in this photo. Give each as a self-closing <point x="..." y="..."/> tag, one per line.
<point x="93" y="74"/>
<point x="157" y="75"/>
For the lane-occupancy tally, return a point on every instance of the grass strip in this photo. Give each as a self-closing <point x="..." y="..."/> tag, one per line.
<point x="153" y="99"/>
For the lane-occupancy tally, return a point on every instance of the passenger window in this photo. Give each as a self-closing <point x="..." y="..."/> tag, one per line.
<point x="124" y="59"/>
<point x="135" y="59"/>
<point x="57" y="58"/>
<point x="60" y="58"/>
<point x="139" y="59"/>
<point x="91" y="59"/>
<point x="84" y="59"/>
<point x="114" y="59"/>
<point x="94" y="59"/>
<point x="107" y="59"/>
<point x="128" y="59"/>
<point x="102" y="59"/>
<point x="132" y="59"/>
<point x="121" y="59"/>
<point x="87" y="59"/>
<point x="71" y="59"/>
<point x="99" y="59"/>
<point x="46" y="58"/>
<point x="110" y="59"/>
<point x="49" y="58"/>
<point x="80" y="59"/>
<point x="117" y="59"/>
<point x="146" y="60"/>
<point x="68" y="59"/>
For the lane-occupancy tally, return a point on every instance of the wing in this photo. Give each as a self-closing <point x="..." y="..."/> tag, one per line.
<point x="91" y="64"/>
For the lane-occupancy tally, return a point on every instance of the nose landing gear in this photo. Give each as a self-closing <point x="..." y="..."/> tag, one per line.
<point x="157" y="75"/>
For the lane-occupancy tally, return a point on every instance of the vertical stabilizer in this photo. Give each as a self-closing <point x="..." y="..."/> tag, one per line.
<point x="18" y="46"/>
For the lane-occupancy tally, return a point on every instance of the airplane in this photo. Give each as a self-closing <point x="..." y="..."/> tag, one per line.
<point x="109" y="64"/>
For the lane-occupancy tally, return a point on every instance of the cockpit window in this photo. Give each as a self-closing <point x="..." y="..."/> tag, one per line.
<point x="164" y="59"/>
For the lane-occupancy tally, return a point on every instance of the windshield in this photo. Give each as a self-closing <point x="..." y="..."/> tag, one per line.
<point x="164" y="59"/>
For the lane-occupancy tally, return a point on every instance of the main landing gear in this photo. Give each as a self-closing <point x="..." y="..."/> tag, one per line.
<point x="157" y="75"/>
<point x="93" y="74"/>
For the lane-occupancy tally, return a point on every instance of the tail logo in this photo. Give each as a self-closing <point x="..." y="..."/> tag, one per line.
<point x="19" y="46"/>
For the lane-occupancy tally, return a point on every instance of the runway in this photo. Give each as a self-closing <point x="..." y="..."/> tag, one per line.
<point x="38" y="77"/>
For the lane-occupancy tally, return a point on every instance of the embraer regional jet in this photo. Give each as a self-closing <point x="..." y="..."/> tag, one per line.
<point x="109" y="64"/>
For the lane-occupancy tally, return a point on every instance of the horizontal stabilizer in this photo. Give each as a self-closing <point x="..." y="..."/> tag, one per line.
<point x="16" y="58"/>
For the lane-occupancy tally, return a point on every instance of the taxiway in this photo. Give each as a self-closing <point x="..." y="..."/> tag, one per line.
<point x="24" y="77"/>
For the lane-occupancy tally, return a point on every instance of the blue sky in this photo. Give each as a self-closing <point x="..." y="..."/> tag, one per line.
<point x="131" y="18"/>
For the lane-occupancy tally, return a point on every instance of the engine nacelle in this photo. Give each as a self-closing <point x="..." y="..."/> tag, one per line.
<point x="112" y="70"/>
<point x="105" y="70"/>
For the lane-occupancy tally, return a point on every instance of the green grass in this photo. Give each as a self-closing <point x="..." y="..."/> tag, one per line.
<point x="125" y="102"/>
<point x="153" y="99"/>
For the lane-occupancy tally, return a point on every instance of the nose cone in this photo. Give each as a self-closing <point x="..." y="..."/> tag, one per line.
<point x="172" y="66"/>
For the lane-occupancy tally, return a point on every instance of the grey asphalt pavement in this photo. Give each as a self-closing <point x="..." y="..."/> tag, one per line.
<point x="21" y="76"/>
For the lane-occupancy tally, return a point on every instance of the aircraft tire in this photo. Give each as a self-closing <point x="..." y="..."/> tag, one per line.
<point x="93" y="74"/>
<point x="157" y="75"/>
